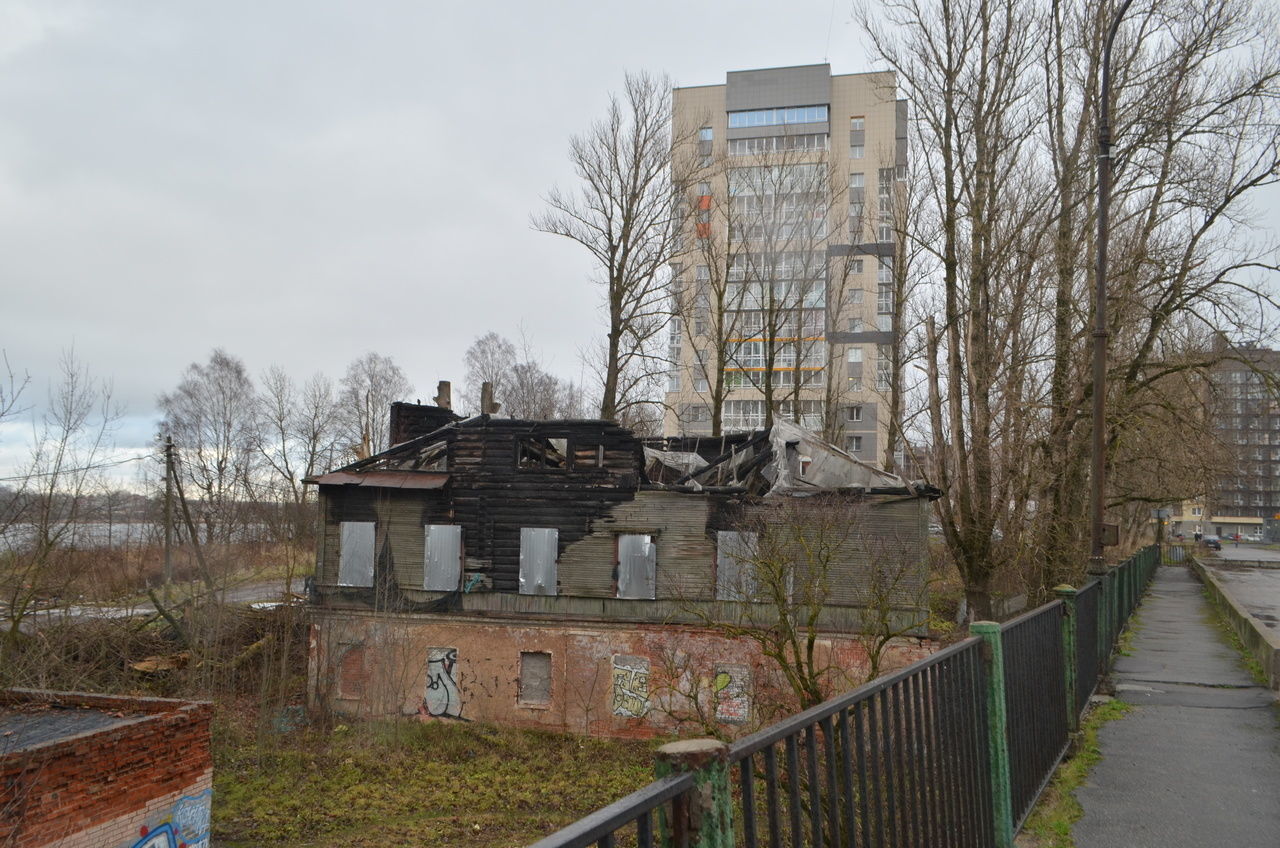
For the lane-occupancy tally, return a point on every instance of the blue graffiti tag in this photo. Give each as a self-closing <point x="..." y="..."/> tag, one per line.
<point x="191" y="816"/>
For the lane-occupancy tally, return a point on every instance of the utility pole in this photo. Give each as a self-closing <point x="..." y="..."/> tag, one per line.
<point x="1096" y="563"/>
<point x="168" y="515"/>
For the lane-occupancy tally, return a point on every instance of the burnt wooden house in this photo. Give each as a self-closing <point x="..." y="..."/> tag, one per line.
<point x="581" y="517"/>
<point x="539" y="572"/>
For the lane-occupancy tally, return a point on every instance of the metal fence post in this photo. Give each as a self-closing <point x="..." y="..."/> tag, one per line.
<point x="1069" y="670"/>
<point x="1001" y="792"/>
<point x="704" y="817"/>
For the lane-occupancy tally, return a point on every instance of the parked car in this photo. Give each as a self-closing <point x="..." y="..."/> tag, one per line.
<point x="1212" y="543"/>
<point x="1253" y="537"/>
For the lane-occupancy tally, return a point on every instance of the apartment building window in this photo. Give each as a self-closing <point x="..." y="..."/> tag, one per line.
<point x="855" y="325"/>
<point x="809" y="411"/>
<point x="705" y="134"/>
<point x="853" y="354"/>
<point x="855" y="384"/>
<point x="774" y="117"/>
<point x="884" y="323"/>
<point x="700" y="385"/>
<point x="857" y="205"/>
<point x="855" y="266"/>
<point x="743" y="414"/>
<point x="697" y="413"/>
<point x="884" y="367"/>
<point x="884" y="188"/>
<point x="704" y="189"/>
<point x="856" y="151"/>
<point x="855" y="296"/>
<point x="772" y="143"/>
<point x="853" y="413"/>
<point x="858" y="124"/>
<point x="853" y="444"/>
<point x="886" y="229"/>
<point x="884" y="270"/>
<point x="884" y="298"/>
<point x="673" y="381"/>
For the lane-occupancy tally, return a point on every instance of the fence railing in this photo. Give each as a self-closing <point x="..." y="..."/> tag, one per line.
<point x="952" y="750"/>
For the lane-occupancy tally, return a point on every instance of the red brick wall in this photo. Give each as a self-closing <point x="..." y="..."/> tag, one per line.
<point x="102" y="788"/>
<point x="599" y="682"/>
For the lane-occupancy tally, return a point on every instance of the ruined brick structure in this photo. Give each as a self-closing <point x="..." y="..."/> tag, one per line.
<point x="99" y="771"/>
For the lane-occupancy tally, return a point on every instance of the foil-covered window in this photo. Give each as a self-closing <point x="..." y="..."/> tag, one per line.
<point x="637" y="566"/>
<point x="538" y="560"/>
<point x="443" y="557"/>
<point x="735" y="577"/>
<point x="355" y="553"/>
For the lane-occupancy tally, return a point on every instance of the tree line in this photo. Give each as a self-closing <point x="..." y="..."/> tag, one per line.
<point x="988" y="385"/>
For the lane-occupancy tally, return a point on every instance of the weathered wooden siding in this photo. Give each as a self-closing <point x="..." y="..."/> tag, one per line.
<point x="399" y="516"/>
<point x="493" y="498"/>
<point x="678" y="523"/>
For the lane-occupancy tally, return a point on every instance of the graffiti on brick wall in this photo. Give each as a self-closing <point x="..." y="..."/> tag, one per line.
<point x="443" y="698"/>
<point x="185" y="826"/>
<point x="630" y="686"/>
<point x="732" y="688"/>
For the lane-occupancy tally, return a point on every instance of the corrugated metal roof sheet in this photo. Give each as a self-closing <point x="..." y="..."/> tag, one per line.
<point x="385" y="479"/>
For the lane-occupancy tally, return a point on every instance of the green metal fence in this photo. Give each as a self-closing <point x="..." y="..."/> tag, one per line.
<point x="954" y="749"/>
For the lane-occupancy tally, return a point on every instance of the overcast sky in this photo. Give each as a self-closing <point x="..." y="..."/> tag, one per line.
<point x="301" y="182"/>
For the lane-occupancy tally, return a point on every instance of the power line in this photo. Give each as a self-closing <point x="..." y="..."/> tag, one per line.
<point x="35" y="474"/>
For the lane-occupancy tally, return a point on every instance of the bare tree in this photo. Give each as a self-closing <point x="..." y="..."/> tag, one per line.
<point x="212" y="418"/>
<point x="624" y="215"/>
<point x="372" y="383"/>
<point x="1004" y="99"/>
<point x="520" y="384"/>
<point x="296" y="436"/>
<point x="791" y="562"/>
<point x="489" y="360"/>
<point x="71" y="444"/>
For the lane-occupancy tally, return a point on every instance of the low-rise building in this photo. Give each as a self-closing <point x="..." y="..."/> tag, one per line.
<point x="560" y="573"/>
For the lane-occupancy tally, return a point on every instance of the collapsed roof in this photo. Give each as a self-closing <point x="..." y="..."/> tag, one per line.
<point x="785" y="459"/>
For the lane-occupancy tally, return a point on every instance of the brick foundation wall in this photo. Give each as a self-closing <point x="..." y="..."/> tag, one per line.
<point x="146" y="782"/>
<point x="604" y="679"/>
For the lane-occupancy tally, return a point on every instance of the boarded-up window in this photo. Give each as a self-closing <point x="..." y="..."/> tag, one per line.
<point x="355" y="553"/>
<point x="734" y="578"/>
<point x="637" y="565"/>
<point x="535" y="677"/>
<point x="352" y="674"/>
<point x="538" y="560"/>
<point x="443" y="558"/>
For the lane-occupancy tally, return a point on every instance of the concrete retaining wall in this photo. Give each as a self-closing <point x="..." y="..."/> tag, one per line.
<point x="1261" y="643"/>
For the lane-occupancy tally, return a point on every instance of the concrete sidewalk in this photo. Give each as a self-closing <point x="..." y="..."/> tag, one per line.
<point x="1197" y="762"/>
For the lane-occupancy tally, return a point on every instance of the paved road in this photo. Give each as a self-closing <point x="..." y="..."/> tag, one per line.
<point x="1197" y="762"/>
<point x="1247" y="574"/>
<point x="1246" y="552"/>
<point x="243" y="593"/>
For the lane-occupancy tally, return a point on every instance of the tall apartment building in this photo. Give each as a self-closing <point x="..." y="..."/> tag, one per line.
<point x="785" y="287"/>
<point x="1246" y="418"/>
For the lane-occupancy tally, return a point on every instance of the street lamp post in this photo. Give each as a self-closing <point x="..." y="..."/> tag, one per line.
<point x="1096" y="564"/>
